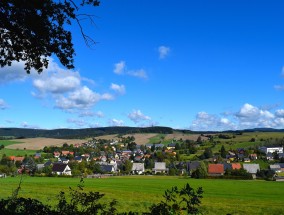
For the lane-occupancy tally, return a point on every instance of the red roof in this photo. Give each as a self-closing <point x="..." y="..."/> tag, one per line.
<point x="215" y="168"/>
<point x="236" y="166"/>
<point x="19" y="158"/>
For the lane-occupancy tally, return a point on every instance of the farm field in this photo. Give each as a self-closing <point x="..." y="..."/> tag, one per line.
<point x="137" y="193"/>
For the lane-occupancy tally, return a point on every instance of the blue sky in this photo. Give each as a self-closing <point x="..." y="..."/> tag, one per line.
<point x="199" y="65"/>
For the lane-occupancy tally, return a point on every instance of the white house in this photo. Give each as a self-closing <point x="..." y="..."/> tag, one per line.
<point x="267" y="150"/>
<point x="160" y="167"/>
<point x="138" y="168"/>
<point x="61" y="169"/>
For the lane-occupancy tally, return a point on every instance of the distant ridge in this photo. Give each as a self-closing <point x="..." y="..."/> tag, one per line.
<point x="120" y="130"/>
<point x="79" y="133"/>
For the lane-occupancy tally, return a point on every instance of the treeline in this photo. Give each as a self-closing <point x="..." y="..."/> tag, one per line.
<point x="19" y="133"/>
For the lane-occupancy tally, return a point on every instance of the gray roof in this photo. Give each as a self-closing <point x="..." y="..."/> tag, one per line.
<point x="193" y="165"/>
<point x="160" y="165"/>
<point x="281" y="165"/>
<point x="251" y="168"/>
<point x="275" y="166"/>
<point x="138" y="167"/>
<point x="59" y="167"/>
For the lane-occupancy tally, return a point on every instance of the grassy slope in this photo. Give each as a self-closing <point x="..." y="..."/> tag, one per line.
<point x="15" y="152"/>
<point x="138" y="193"/>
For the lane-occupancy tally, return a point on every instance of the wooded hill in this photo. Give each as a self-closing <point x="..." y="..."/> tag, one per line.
<point x="20" y="133"/>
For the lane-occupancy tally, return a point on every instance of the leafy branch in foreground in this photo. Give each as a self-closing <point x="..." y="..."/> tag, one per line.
<point x="32" y="30"/>
<point x="176" y="201"/>
<point x="183" y="201"/>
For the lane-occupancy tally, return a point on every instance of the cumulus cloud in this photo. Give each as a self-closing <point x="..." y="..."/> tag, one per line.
<point x="3" y="104"/>
<point x="137" y="116"/>
<point x="14" y="73"/>
<point x="82" y="98"/>
<point x="163" y="52"/>
<point x="58" y="83"/>
<point x="118" y="88"/>
<point x="209" y="122"/>
<point x="120" y="69"/>
<point x="248" y="116"/>
<point x="116" y="122"/>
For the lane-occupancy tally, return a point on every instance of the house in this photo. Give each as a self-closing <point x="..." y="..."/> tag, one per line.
<point x="61" y="169"/>
<point x="281" y="166"/>
<point x="19" y="159"/>
<point x="109" y="168"/>
<point x="215" y="169"/>
<point x="56" y="154"/>
<point x="253" y="156"/>
<point x="138" y="168"/>
<point x="65" y="153"/>
<point x="252" y="169"/>
<point x="275" y="167"/>
<point x="267" y="150"/>
<point x="192" y="166"/>
<point x="246" y="160"/>
<point x="171" y="146"/>
<point x="78" y="159"/>
<point x="236" y="166"/>
<point x="160" y="167"/>
<point x="63" y="160"/>
<point x="269" y="156"/>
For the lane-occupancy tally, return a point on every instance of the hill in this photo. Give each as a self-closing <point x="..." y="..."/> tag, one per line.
<point x="20" y="133"/>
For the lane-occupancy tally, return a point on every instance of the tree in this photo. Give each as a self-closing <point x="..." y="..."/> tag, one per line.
<point x="223" y="152"/>
<point x="33" y="30"/>
<point x="127" y="166"/>
<point x="201" y="171"/>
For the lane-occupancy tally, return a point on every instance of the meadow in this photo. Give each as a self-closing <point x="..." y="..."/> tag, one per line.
<point x="137" y="193"/>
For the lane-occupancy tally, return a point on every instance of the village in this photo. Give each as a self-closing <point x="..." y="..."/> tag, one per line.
<point x="103" y="158"/>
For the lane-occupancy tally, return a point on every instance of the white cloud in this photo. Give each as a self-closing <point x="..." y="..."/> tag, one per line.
<point x="82" y="98"/>
<point x="141" y="73"/>
<point x="118" y="88"/>
<point x="3" y="104"/>
<point x="13" y="73"/>
<point x="58" y="83"/>
<point x="119" y="67"/>
<point x="163" y="51"/>
<point x="210" y="122"/>
<point x="116" y="122"/>
<point x="137" y="116"/>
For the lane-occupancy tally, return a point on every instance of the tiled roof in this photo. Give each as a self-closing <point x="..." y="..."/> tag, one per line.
<point x="59" y="167"/>
<point x="236" y="166"/>
<point x="215" y="168"/>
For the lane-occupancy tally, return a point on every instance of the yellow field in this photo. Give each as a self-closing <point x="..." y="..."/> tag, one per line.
<point x="39" y="143"/>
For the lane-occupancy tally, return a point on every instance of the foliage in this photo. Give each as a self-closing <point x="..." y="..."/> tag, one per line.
<point x="177" y="201"/>
<point x="32" y="31"/>
<point x="201" y="171"/>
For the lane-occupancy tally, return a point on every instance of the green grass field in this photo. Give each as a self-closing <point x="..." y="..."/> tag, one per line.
<point x="15" y="152"/>
<point x="137" y="193"/>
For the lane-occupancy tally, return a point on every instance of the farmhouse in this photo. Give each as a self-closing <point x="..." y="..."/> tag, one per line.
<point x="215" y="169"/>
<point x="252" y="169"/>
<point x="160" y="167"/>
<point x="61" y="169"/>
<point x="267" y="150"/>
<point x="138" y="168"/>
